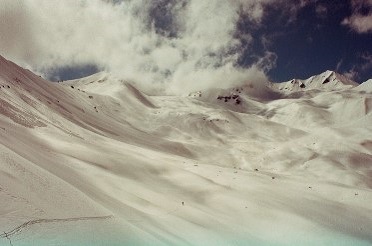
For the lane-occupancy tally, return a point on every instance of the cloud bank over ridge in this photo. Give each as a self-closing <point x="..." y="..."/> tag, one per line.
<point x="185" y="44"/>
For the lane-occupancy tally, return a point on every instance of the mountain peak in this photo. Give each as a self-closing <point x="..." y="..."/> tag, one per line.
<point x="332" y="75"/>
<point x="328" y="81"/>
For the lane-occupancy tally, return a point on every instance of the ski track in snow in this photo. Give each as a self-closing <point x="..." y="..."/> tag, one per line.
<point x="27" y="224"/>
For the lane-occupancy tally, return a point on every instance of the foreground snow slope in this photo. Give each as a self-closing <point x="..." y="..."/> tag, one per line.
<point x="98" y="162"/>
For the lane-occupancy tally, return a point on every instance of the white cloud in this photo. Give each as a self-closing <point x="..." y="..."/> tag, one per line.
<point x="360" y="22"/>
<point x="185" y="44"/>
<point x="352" y="74"/>
<point x="321" y="11"/>
<point x="339" y="64"/>
<point x="267" y="62"/>
<point x="364" y="65"/>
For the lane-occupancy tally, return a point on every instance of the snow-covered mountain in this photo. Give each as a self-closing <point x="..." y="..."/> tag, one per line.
<point x="328" y="80"/>
<point x="96" y="161"/>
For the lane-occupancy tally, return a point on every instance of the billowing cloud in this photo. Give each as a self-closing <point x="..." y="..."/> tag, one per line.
<point x="361" y="19"/>
<point x="185" y="44"/>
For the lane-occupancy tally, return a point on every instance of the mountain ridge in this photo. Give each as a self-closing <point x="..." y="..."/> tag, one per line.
<point x="328" y="80"/>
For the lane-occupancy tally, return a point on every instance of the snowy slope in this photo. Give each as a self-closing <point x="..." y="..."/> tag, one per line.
<point x="98" y="162"/>
<point x="365" y="87"/>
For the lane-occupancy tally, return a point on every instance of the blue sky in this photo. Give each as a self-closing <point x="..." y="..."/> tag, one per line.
<point x="316" y="41"/>
<point x="189" y="44"/>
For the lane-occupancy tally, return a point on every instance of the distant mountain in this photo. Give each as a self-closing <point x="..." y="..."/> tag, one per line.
<point x="328" y="80"/>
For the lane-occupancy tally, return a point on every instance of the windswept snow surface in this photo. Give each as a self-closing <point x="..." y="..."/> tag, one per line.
<point x="98" y="162"/>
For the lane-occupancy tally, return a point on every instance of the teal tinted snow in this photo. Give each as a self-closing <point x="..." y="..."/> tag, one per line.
<point x="105" y="235"/>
